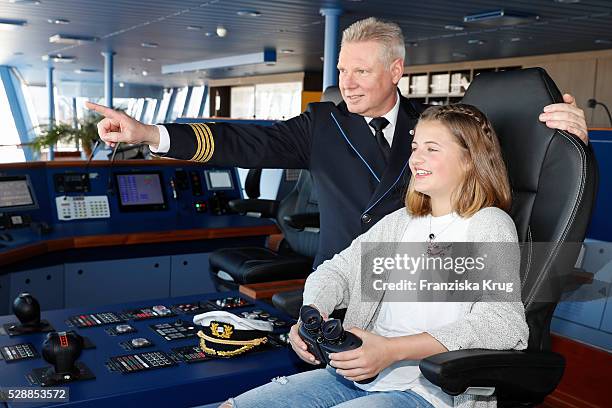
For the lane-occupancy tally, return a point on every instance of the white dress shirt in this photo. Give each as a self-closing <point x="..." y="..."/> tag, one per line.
<point x="391" y="116"/>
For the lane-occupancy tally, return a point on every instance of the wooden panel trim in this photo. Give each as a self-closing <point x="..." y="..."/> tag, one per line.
<point x="265" y="290"/>
<point x="586" y="380"/>
<point x="24" y="165"/>
<point x="41" y="248"/>
<point x="160" y="161"/>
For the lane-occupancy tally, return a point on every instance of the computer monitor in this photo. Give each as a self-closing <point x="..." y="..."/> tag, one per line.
<point x="141" y="191"/>
<point x="219" y="179"/>
<point x="16" y="194"/>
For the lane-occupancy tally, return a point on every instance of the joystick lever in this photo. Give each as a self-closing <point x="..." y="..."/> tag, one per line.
<point x="62" y="349"/>
<point x="27" y="310"/>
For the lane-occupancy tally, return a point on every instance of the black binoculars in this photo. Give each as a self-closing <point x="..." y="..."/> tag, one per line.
<point x="323" y="338"/>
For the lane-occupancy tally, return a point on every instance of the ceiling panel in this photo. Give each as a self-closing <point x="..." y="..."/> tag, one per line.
<point x="122" y="26"/>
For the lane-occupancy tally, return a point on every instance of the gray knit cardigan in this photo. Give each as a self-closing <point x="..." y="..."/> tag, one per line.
<point x="488" y="325"/>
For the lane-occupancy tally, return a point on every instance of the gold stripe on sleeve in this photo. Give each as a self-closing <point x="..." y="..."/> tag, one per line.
<point x="209" y="142"/>
<point x="198" y="136"/>
<point x="204" y="137"/>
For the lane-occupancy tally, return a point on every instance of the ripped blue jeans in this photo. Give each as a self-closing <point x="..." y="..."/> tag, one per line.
<point x="323" y="388"/>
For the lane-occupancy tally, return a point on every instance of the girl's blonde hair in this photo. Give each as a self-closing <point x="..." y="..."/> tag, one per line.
<point x="485" y="182"/>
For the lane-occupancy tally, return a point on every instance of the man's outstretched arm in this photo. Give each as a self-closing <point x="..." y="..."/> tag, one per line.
<point x="286" y="144"/>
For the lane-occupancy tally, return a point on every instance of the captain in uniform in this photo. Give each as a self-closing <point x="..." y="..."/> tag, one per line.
<point x="357" y="151"/>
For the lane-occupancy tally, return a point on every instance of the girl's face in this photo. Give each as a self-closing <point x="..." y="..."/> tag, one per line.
<point x="437" y="161"/>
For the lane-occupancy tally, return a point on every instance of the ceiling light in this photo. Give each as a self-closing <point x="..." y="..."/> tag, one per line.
<point x="515" y="39"/>
<point x="250" y="13"/>
<point x="499" y="18"/>
<point x="412" y="44"/>
<point x="458" y="55"/>
<point x="71" y="39"/>
<point x="121" y="84"/>
<point x="194" y="27"/>
<point x="35" y="2"/>
<point x="453" y="27"/>
<point x="603" y="41"/>
<point x="221" y="31"/>
<point x="474" y="41"/>
<point x="287" y="51"/>
<point x="9" y="24"/>
<point x="61" y="21"/>
<point x="145" y="72"/>
<point x="567" y="1"/>
<point x="149" y="45"/>
<point x="147" y="59"/>
<point x="268" y="56"/>
<point x="59" y="58"/>
<point x="208" y="34"/>
<point x="85" y="71"/>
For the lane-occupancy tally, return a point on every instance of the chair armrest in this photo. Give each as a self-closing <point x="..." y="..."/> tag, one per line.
<point x="255" y="207"/>
<point x="301" y="221"/>
<point x="516" y="375"/>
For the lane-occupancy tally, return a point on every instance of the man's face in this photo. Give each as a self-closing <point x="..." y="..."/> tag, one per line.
<point x="366" y="85"/>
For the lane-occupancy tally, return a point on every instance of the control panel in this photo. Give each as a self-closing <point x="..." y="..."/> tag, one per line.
<point x="122" y="192"/>
<point x="82" y="207"/>
<point x="111" y="355"/>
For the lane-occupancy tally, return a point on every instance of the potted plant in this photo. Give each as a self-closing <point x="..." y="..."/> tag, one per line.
<point x="85" y="134"/>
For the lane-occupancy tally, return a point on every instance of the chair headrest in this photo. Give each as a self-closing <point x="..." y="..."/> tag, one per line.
<point x="332" y="94"/>
<point x="513" y="100"/>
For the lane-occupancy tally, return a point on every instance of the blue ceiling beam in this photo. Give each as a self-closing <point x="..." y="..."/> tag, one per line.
<point x="268" y="57"/>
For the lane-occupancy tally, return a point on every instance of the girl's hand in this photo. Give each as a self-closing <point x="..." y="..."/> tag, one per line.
<point x="365" y="362"/>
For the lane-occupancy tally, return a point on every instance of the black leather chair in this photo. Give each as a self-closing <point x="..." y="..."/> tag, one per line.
<point x="235" y="266"/>
<point x="297" y="217"/>
<point x="554" y="182"/>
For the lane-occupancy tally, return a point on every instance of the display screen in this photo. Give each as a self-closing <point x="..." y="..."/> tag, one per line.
<point x="15" y="192"/>
<point x="219" y="179"/>
<point x="140" y="191"/>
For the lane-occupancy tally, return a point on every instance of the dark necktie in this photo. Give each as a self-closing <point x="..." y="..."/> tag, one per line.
<point x="379" y="124"/>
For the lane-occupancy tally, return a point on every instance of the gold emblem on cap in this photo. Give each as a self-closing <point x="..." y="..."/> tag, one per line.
<point x="224" y="332"/>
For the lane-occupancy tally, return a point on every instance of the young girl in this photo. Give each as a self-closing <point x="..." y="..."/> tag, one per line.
<point x="459" y="192"/>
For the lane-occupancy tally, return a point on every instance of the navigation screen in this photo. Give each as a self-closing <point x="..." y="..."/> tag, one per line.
<point x="15" y="192"/>
<point x="140" y="191"/>
<point x="219" y="179"/>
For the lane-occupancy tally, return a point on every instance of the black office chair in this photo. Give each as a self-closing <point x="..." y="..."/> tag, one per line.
<point x="554" y="181"/>
<point x="297" y="217"/>
<point x="236" y="266"/>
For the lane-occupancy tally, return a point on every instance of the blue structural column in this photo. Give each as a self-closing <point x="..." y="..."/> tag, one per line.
<point x="145" y="105"/>
<point x="187" y="100"/>
<point x="203" y="102"/>
<point x="51" y="97"/>
<point x="330" y="54"/>
<point x="19" y="110"/>
<point x="108" y="77"/>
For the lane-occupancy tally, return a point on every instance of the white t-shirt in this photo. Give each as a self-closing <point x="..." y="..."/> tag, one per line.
<point x="405" y="318"/>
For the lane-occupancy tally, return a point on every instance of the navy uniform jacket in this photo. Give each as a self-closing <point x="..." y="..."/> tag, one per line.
<point x="354" y="187"/>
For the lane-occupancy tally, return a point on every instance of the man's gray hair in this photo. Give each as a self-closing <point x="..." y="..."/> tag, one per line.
<point x="387" y="34"/>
